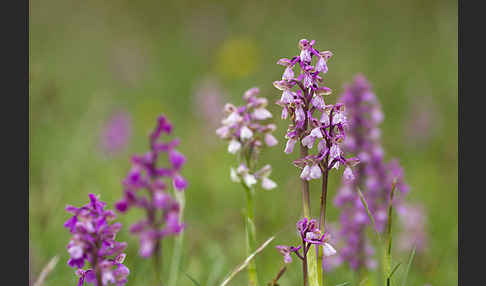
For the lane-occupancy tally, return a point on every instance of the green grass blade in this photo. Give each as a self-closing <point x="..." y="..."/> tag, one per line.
<point x="46" y="270"/>
<point x="176" y="255"/>
<point x="343" y="284"/>
<point x="192" y="279"/>
<point x="246" y="262"/>
<point x="387" y="262"/>
<point x="365" y="204"/>
<point x="394" y="269"/>
<point x="409" y="265"/>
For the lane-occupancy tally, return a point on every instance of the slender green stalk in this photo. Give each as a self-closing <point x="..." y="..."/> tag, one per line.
<point x="409" y="265"/>
<point x="157" y="262"/>
<point x="304" y="266"/>
<point x="388" y="239"/>
<point x="322" y="223"/>
<point x="279" y="274"/>
<point x="95" y="264"/>
<point x="320" y="271"/>
<point x="309" y="266"/>
<point x="176" y="255"/>
<point x="378" y="238"/>
<point x="322" y="216"/>
<point x="313" y="266"/>
<point x="250" y="235"/>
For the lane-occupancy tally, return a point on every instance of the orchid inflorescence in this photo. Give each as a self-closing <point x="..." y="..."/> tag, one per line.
<point x="93" y="241"/>
<point x="162" y="209"/>
<point x="246" y="131"/>
<point x="313" y="123"/>
<point x="373" y="176"/>
<point x="326" y="131"/>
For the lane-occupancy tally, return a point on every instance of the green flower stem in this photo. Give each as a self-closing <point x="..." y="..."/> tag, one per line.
<point x="157" y="259"/>
<point x="313" y="266"/>
<point x="309" y="268"/>
<point x="322" y="223"/>
<point x="388" y="239"/>
<point x="176" y="255"/>
<point x="250" y="235"/>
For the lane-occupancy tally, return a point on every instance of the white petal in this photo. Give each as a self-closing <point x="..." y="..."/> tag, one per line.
<point x="321" y="65"/>
<point x="287" y="96"/>
<point x="299" y="114"/>
<point x="305" y="173"/>
<point x="234" y="146"/>
<point x="250" y="180"/>
<point x="316" y="132"/>
<point x="318" y="102"/>
<point x="75" y="251"/>
<point x="348" y="174"/>
<point x="268" y="184"/>
<point x="234" y="176"/>
<point x="315" y="172"/>
<point x="308" y="141"/>
<point x="377" y="115"/>
<point x="336" y="165"/>
<point x="288" y="73"/>
<point x="289" y="147"/>
<point x="261" y="113"/>
<point x="338" y="117"/>
<point x="307" y="80"/>
<point x="108" y="277"/>
<point x="328" y="249"/>
<point x="232" y="119"/>
<point x="305" y="55"/>
<point x="285" y="113"/>
<point x="335" y="152"/>
<point x="270" y="140"/>
<point x="321" y="147"/>
<point x="246" y="133"/>
<point x="325" y="118"/>
<point x="242" y="169"/>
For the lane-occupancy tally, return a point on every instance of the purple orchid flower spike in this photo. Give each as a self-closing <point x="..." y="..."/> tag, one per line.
<point x="314" y="124"/>
<point x="373" y="176"/>
<point x="147" y="186"/>
<point x="319" y="128"/>
<point x="93" y="241"/>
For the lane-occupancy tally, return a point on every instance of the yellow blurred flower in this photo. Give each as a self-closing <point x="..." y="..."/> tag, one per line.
<point x="237" y="57"/>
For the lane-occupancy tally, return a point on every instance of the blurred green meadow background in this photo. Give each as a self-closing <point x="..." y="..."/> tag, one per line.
<point x="92" y="59"/>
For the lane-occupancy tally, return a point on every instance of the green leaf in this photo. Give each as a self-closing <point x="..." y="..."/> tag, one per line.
<point x="343" y="284"/>
<point x="388" y="237"/>
<point x="365" y="204"/>
<point x="312" y="267"/>
<point x="394" y="269"/>
<point x="409" y="265"/>
<point x="192" y="279"/>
